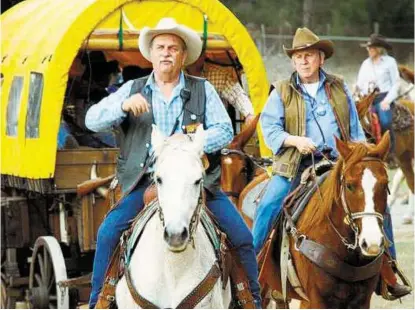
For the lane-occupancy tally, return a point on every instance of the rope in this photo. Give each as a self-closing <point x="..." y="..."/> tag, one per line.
<point x="121" y="32"/>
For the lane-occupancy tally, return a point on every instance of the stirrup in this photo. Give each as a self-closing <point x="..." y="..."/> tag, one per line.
<point x="384" y="287"/>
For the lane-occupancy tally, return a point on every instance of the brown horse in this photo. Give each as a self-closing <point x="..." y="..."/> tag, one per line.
<point x="404" y="148"/>
<point x="238" y="168"/>
<point x="406" y="73"/>
<point x="337" y="244"/>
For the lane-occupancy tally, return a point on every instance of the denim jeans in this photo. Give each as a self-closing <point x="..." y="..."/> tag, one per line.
<point x="385" y="117"/>
<point x="268" y="209"/>
<point x="120" y="218"/>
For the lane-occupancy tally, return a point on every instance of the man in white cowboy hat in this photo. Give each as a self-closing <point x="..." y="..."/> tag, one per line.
<point x="175" y="102"/>
<point x="300" y="117"/>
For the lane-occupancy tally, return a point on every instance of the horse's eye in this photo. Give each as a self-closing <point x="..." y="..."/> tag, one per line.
<point x="244" y="170"/>
<point x="350" y="187"/>
<point x="158" y="180"/>
<point x="197" y="182"/>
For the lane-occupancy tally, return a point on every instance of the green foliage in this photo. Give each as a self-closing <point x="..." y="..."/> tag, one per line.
<point x="330" y="17"/>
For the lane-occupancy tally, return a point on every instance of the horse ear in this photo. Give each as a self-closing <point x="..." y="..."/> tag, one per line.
<point x="342" y="147"/>
<point x="243" y="137"/>
<point x="382" y="149"/>
<point x="157" y="140"/>
<point x="199" y="139"/>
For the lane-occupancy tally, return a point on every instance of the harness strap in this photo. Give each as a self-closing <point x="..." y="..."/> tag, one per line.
<point x="330" y="263"/>
<point x="190" y="301"/>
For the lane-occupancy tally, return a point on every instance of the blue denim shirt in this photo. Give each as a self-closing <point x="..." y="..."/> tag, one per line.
<point x="108" y="113"/>
<point x="273" y="118"/>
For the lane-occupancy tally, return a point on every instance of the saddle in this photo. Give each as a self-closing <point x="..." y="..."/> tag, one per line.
<point x="269" y="258"/>
<point x="402" y="118"/>
<point x="228" y="261"/>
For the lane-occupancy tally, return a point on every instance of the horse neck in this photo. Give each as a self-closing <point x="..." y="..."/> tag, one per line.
<point x="314" y="222"/>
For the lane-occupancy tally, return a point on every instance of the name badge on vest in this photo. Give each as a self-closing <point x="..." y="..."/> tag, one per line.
<point x="191" y="128"/>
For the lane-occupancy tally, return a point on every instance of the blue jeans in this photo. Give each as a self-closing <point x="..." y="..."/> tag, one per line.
<point x="385" y="117"/>
<point x="119" y="219"/>
<point x="268" y="209"/>
<point x="387" y="225"/>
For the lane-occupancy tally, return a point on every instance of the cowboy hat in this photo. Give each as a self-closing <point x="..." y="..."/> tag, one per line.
<point x="304" y="38"/>
<point x="377" y="40"/>
<point x="170" y="26"/>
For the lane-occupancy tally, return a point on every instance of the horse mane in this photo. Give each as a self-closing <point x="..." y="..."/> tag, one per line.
<point x="406" y="73"/>
<point x="330" y="190"/>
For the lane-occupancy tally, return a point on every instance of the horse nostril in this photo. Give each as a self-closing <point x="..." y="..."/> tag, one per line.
<point x="184" y="234"/>
<point x="166" y="235"/>
<point x="364" y="244"/>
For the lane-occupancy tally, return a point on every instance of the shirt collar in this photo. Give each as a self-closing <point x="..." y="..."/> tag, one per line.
<point x="152" y="86"/>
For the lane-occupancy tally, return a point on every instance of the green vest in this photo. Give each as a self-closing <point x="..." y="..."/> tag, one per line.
<point x="287" y="161"/>
<point x="135" y="136"/>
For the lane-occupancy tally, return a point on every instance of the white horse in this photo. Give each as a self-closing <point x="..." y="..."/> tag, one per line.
<point x="174" y="253"/>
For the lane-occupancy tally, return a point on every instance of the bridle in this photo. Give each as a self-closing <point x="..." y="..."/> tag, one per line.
<point x="194" y="220"/>
<point x="250" y="160"/>
<point x="350" y="216"/>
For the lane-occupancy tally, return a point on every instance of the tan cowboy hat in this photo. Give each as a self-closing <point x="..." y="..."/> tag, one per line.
<point x="377" y="40"/>
<point x="169" y="25"/>
<point x="304" y="38"/>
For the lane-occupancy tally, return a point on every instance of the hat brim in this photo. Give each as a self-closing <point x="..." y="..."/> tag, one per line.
<point x="383" y="44"/>
<point x="326" y="46"/>
<point x="190" y="38"/>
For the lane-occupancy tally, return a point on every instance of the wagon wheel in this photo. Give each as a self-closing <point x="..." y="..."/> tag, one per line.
<point x="47" y="268"/>
<point x="3" y="292"/>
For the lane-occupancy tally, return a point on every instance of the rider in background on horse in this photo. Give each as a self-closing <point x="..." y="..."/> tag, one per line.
<point x="228" y="88"/>
<point x="380" y="70"/>
<point x="301" y="117"/>
<point x="170" y="99"/>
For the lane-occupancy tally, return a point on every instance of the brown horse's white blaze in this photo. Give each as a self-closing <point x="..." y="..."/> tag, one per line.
<point x="371" y="237"/>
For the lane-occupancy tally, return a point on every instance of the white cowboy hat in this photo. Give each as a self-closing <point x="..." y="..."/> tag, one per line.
<point x="169" y="25"/>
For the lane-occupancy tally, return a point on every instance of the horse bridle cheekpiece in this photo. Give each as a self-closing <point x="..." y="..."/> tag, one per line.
<point x="350" y="216"/>
<point x="195" y="216"/>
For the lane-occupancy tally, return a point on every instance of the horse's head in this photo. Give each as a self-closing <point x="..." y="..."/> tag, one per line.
<point x="178" y="175"/>
<point x="363" y="192"/>
<point x="363" y="107"/>
<point x="236" y="165"/>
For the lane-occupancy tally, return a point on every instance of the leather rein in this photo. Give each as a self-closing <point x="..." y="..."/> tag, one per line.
<point x="203" y="288"/>
<point x="327" y="259"/>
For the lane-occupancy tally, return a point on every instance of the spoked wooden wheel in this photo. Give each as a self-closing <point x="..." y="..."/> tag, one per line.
<point x="3" y="292"/>
<point x="46" y="270"/>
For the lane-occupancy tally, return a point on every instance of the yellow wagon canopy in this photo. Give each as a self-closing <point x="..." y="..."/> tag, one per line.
<point x="41" y="38"/>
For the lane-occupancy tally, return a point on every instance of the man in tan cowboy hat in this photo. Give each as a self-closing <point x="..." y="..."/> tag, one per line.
<point x="300" y="117"/>
<point x="175" y="102"/>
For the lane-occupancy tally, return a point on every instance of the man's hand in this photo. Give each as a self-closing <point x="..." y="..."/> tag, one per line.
<point x="303" y="144"/>
<point x="136" y="104"/>
<point x="249" y="118"/>
<point x="385" y="106"/>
